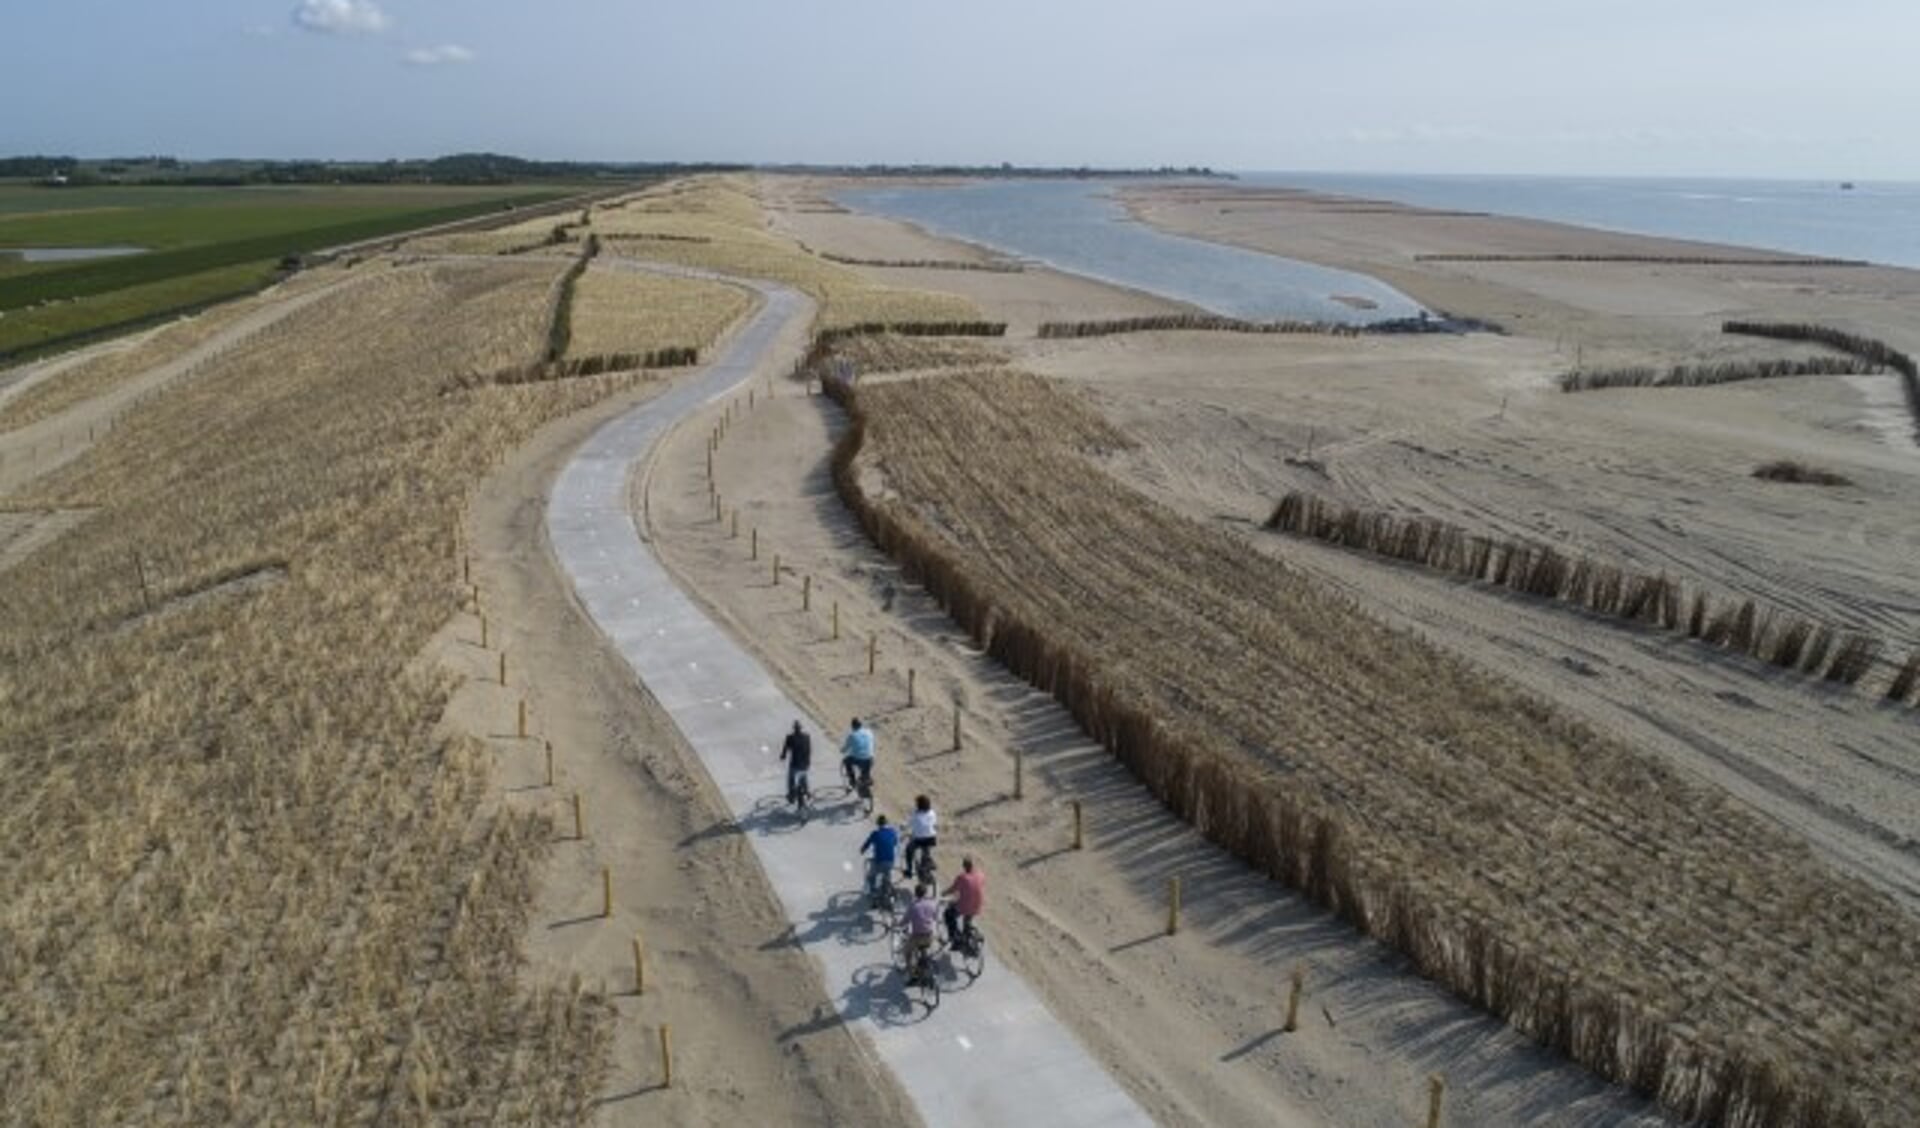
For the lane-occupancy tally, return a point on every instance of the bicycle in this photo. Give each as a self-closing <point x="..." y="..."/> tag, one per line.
<point x="920" y="979"/>
<point x="971" y="947"/>
<point x="925" y="870"/>
<point x="860" y="782"/>
<point x="882" y="897"/>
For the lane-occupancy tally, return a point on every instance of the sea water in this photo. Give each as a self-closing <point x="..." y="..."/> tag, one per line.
<point x="1877" y="221"/>
<point x="1078" y="226"/>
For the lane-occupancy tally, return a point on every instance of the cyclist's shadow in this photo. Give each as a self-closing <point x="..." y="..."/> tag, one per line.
<point x="845" y="919"/>
<point x="772" y="815"/>
<point x="837" y="805"/>
<point x="876" y="991"/>
<point x="879" y="991"/>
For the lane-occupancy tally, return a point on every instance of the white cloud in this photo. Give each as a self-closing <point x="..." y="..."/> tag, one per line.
<point x="436" y="56"/>
<point x="340" y="17"/>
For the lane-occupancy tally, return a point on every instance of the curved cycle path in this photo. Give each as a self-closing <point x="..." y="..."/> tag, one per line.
<point x="990" y="1054"/>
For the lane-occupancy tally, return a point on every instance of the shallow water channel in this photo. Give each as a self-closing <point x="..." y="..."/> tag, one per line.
<point x="1077" y="226"/>
<point x="67" y="254"/>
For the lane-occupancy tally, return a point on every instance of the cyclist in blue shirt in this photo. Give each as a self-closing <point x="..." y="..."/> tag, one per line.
<point x="856" y="755"/>
<point x="884" y="841"/>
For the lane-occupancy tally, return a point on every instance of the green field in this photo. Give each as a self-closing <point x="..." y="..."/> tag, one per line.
<point x="202" y="244"/>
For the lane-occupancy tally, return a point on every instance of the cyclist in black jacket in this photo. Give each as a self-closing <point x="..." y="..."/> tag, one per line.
<point x="797" y="751"/>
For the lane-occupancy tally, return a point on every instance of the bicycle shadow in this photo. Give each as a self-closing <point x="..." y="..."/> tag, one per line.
<point x="880" y="992"/>
<point x="773" y="815"/>
<point x="837" y="805"/>
<point x="845" y="920"/>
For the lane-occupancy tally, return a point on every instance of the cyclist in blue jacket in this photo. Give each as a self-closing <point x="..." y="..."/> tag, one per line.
<point x="884" y="842"/>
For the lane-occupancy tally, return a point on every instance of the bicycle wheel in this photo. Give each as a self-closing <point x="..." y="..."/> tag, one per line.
<point x="885" y="902"/>
<point x="923" y="986"/>
<point x="973" y="957"/>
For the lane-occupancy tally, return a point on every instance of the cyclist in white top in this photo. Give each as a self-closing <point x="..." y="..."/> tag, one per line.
<point x="923" y="831"/>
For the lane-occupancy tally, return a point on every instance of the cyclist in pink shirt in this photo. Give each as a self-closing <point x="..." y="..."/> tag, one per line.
<point x="969" y="893"/>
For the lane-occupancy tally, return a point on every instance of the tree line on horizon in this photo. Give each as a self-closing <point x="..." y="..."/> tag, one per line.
<point x="490" y="168"/>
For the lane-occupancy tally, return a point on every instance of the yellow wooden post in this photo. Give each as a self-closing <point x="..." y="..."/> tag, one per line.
<point x="1079" y="841"/>
<point x="503" y="667"/>
<point x="483" y="632"/>
<point x="1173" y="905"/>
<point x="549" y="763"/>
<point x="523" y="718"/>
<point x="606" y="891"/>
<point x="1436" y="1092"/>
<point x="639" y="967"/>
<point x="666" y="1056"/>
<point x="579" y="827"/>
<point x="776" y="569"/>
<point x="733" y="530"/>
<point x="1293" y="998"/>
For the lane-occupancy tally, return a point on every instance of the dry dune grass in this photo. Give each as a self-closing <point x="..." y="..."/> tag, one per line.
<point x="110" y="369"/>
<point x="248" y="879"/>
<point x="617" y="311"/>
<point x="477" y="242"/>
<point x="718" y="224"/>
<point x="1641" y="924"/>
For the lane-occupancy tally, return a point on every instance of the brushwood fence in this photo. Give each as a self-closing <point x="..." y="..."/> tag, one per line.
<point x="988" y="267"/>
<point x="1191" y="321"/>
<point x="560" y="328"/>
<point x="1703" y="1075"/>
<point x="1781" y="640"/>
<point x="1214" y="323"/>
<point x="1866" y="348"/>
<point x="825" y="339"/>
<point x="548" y="370"/>
<point x="1703" y="375"/>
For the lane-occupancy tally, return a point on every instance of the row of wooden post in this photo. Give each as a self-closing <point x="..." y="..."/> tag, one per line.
<point x="579" y="831"/>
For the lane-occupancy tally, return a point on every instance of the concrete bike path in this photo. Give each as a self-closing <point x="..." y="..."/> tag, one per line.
<point x="990" y="1053"/>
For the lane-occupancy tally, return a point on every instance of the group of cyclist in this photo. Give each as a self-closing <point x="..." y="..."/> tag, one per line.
<point x="965" y="895"/>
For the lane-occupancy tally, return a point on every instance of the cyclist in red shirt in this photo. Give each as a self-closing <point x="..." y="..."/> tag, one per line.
<point x="969" y="897"/>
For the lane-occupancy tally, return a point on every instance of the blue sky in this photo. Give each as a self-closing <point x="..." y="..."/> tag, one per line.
<point x="1629" y="87"/>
